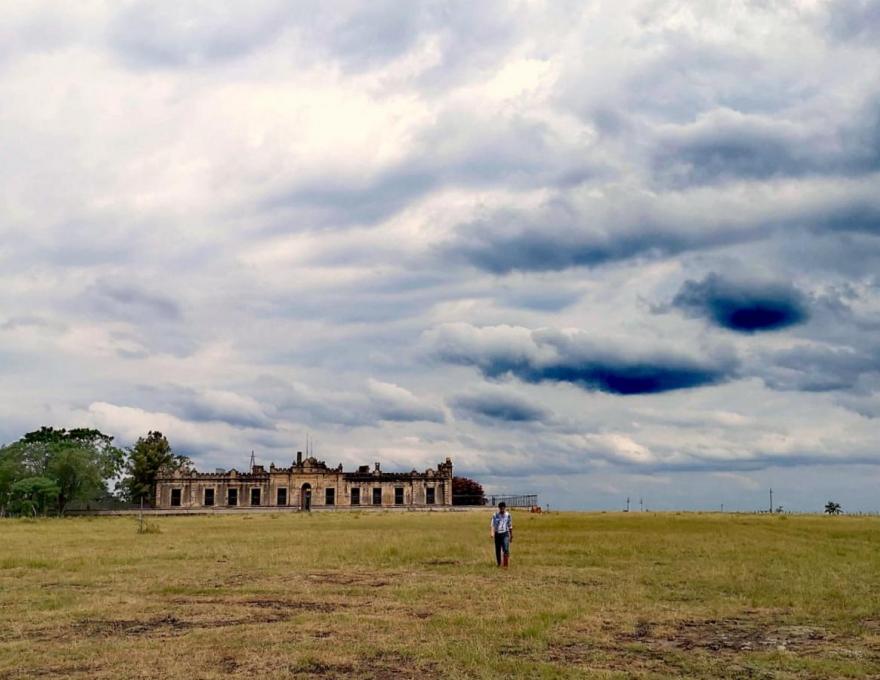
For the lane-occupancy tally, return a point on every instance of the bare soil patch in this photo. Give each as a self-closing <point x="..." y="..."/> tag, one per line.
<point x="735" y="634"/>
<point x="348" y="578"/>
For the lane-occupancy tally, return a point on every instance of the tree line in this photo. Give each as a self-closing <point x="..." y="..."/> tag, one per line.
<point x="48" y="469"/>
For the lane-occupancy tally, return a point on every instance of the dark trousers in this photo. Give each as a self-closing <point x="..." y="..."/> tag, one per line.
<point x="502" y="544"/>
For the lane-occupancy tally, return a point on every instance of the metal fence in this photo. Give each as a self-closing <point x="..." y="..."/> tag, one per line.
<point x="512" y="500"/>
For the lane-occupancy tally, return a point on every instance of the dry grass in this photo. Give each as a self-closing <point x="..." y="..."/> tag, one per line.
<point x="386" y="595"/>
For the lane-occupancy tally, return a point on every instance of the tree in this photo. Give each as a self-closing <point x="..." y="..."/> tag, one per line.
<point x="467" y="492"/>
<point x="145" y="459"/>
<point x="833" y="508"/>
<point x="77" y="461"/>
<point x="33" y="495"/>
<point x="11" y="470"/>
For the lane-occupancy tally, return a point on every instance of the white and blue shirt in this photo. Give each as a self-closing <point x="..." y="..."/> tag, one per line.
<point x="502" y="522"/>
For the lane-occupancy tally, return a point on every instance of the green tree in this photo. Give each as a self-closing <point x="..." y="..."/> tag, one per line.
<point x="833" y="508"/>
<point x="33" y="495"/>
<point x="145" y="459"/>
<point x="79" y="461"/>
<point x="11" y="470"/>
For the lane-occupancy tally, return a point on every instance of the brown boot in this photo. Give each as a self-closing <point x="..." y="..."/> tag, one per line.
<point x="505" y="561"/>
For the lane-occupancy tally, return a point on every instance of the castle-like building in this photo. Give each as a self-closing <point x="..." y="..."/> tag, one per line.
<point x="306" y="484"/>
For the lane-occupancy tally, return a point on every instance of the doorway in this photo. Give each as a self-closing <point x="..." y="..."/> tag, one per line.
<point x="305" y="497"/>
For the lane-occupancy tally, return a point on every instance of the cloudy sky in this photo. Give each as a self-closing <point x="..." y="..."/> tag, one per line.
<point x="587" y="249"/>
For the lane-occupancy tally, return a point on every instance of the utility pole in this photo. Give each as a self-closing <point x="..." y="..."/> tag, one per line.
<point x="641" y="504"/>
<point x="771" y="501"/>
<point x="627" y="503"/>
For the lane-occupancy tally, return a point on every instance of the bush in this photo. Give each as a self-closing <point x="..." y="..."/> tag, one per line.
<point x="467" y="492"/>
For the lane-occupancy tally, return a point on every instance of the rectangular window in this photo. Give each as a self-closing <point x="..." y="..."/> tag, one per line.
<point x="329" y="496"/>
<point x="355" y="496"/>
<point x="429" y="495"/>
<point x="232" y="497"/>
<point x="175" y="498"/>
<point x="398" y="495"/>
<point x="255" y="496"/>
<point x="377" y="496"/>
<point x="209" y="497"/>
<point x="281" y="497"/>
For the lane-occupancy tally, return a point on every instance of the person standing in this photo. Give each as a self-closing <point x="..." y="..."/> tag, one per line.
<point x="501" y="529"/>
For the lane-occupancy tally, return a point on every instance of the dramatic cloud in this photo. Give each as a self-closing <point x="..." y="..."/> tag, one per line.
<point x="742" y="307"/>
<point x="549" y="355"/>
<point x="497" y="404"/>
<point x="586" y="249"/>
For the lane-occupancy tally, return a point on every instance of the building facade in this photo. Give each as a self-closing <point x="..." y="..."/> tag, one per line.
<point x="306" y="484"/>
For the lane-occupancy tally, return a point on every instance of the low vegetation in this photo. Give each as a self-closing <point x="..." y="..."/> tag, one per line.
<point x="415" y="595"/>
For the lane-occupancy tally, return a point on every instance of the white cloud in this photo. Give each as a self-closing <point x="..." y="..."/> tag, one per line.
<point x="241" y="224"/>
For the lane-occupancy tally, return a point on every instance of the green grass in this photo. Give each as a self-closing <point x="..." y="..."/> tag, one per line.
<point x="386" y="595"/>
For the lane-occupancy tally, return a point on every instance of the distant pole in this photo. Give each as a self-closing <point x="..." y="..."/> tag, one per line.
<point x="627" y="503"/>
<point x="722" y="507"/>
<point x="642" y="504"/>
<point x="771" y="501"/>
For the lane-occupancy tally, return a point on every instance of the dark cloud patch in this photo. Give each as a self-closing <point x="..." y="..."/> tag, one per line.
<point x="609" y="374"/>
<point x="497" y="405"/>
<point x="857" y="20"/>
<point x="368" y="407"/>
<point x="728" y="146"/>
<point x="459" y="149"/>
<point x="743" y="307"/>
<point x="30" y="321"/>
<point x="374" y="33"/>
<point x="570" y="231"/>
<point x="821" y="368"/>
<point x="550" y="356"/>
<point x="724" y="145"/>
<point x="857" y="216"/>
<point x="125" y="300"/>
<point x="146" y="34"/>
<point x="561" y="235"/>
<point x="205" y="405"/>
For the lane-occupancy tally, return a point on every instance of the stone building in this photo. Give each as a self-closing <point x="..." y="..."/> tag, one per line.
<point x="306" y="484"/>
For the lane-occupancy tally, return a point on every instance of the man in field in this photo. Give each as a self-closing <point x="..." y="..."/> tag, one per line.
<point x="501" y="529"/>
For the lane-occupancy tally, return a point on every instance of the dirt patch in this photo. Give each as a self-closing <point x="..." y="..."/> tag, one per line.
<point x="348" y="578"/>
<point x="228" y="664"/>
<point x="264" y="603"/>
<point x="737" y="635"/>
<point x="166" y="626"/>
<point x="584" y="582"/>
<point x="379" y="666"/>
<point x="319" y="669"/>
<point x="442" y="563"/>
<point x="288" y="604"/>
<point x="392" y="664"/>
<point x="78" y="670"/>
<point x="656" y="646"/>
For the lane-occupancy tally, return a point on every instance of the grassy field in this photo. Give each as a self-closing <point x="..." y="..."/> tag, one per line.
<point x="389" y="595"/>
